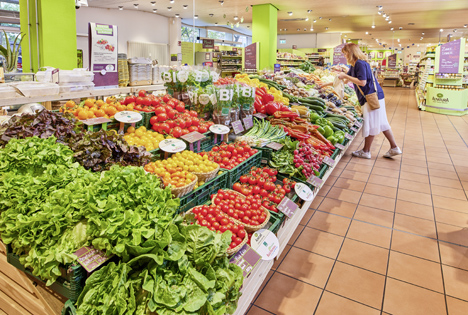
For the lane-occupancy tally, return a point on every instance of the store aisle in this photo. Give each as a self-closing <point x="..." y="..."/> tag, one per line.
<point x="384" y="236"/>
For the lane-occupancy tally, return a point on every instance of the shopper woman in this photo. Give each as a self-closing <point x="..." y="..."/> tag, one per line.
<point x="375" y="120"/>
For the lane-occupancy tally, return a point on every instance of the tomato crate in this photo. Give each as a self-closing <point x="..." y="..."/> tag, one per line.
<point x="68" y="308"/>
<point x="69" y="285"/>
<point x="266" y="154"/>
<point x="243" y="168"/>
<point x="146" y="120"/>
<point x="203" y="193"/>
<point x="275" y="221"/>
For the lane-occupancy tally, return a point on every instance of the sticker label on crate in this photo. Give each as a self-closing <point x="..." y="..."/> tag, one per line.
<point x="246" y="258"/>
<point x="354" y="129"/>
<point x="172" y="145"/>
<point x="287" y="206"/>
<point x="96" y="121"/>
<point x="260" y="115"/>
<point x="329" y="161"/>
<point x="128" y="117"/>
<point x="339" y="146"/>
<point x="248" y="122"/>
<point x="315" y="181"/>
<point x="348" y="136"/>
<point x="91" y="258"/>
<point x="193" y="137"/>
<point x="304" y="192"/>
<point x="237" y="126"/>
<point x="275" y="145"/>
<point x="219" y="129"/>
<point x="265" y="243"/>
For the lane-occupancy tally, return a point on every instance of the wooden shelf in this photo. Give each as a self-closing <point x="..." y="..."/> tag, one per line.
<point x="82" y="94"/>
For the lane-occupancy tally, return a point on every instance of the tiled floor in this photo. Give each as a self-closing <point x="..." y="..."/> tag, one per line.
<point x="384" y="236"/>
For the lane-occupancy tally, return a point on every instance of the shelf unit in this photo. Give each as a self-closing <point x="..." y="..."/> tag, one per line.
<point x="230" y="63"/>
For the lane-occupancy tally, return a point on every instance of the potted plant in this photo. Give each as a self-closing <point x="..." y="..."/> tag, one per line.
<point x="11" y="52"/>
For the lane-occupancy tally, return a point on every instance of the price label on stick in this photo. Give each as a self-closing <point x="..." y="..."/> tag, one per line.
<point x="265" y="243"/>
<point x="260" y="115"/>
<point x="193" y="137"/>
<point x="237" y="127"/>
<point x="275" y="145"/>
<point x="91" y="258"/>
<point x="339" y="146"/>
<point x="329" y="161"/>
<point x="287" y="206"/>
<point x="354" y="129"/>
<point x="246" y="258"/>
<point x="357" y="123"/>
<point x="248" y="122"/>
<point x="172" y="145"/>
<point x="348" y="136"/>
<point x="315" y="181"/>
<point x="304" y="192"/>
<point x="128" y="117"/>
<point x="219" y="129"/>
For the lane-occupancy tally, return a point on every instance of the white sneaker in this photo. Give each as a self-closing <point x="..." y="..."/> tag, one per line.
<point x="362" y="154"/>
<point x="392" y="152"/>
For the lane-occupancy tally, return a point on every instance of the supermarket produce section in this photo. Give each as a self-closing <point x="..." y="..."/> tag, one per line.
<point x="162" y="202"/>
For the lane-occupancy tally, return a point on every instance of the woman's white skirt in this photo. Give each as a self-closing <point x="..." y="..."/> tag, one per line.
<point x="375" y="121"/>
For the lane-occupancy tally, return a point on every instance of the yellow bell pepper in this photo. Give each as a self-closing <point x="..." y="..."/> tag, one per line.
<point x="273" y="90"/>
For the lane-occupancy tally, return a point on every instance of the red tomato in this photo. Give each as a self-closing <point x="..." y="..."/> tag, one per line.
<point x="162" y="117"/>
<point x="193" y="128"/>
<point x="195" y="121"/>
<point x="171" y="123"/>
<point x="166" y="98"/>
<point x="164" y="128"/>
<point x="153" y="120"/>
<point x="185" y="131"/>
<point x="160" y="110"/>
<point x="177" y="132"/>
<point x="171" y="114"/>
<point x="180" y="123"/>
<point x="155" y="127"/>
<point x="180" y="108"/>
<point x="139" y="100"/>
<point x="146" y="101"/>
<point x="193" y="113"/>
<point x="202" y="129"/>
<point x="142" y="93"/>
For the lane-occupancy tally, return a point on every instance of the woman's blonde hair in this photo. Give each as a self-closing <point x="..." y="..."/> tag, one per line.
<point x="354" y="52"/>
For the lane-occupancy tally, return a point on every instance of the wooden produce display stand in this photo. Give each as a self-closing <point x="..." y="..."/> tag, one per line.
<point x="255" y="279"/>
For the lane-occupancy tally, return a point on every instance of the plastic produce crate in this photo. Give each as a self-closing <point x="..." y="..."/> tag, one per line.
<point x="266" y="154"/>
<point x="207" y="143"/>
<point x="203" y="193"/>
<point x="146" y="120"/>
<point x="244" y="168"/>
<point x="69" y="285"/>
<point x="275" y="221"/>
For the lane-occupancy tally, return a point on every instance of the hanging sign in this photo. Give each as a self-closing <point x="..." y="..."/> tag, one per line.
<point x="102" y="40"/>
<point x="392" y="61"/>
<point x="246" y="258"/>
<point x="250" y="60"/>
<point x="449" y="60"/>
<point x="208" y="44"/>
<point x="338" y="56"/>
<point x="265" y="243"/>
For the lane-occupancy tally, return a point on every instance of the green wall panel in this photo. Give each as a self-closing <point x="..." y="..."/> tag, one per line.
<point x="264" y="31"/>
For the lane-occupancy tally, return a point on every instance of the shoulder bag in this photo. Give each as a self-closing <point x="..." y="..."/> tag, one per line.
<point x="372" y="99"/>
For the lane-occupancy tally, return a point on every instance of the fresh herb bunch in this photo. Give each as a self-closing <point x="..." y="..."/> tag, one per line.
<point x="42" y="124"/>
<point x="98" y="151"/>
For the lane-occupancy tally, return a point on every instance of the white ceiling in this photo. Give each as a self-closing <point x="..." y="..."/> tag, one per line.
<point x="350" y="18"/>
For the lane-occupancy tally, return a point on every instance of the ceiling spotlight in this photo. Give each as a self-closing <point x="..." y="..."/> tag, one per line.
<point x="398" y="40"/>
<point x="455" y="30"/>
<point x="329" y="20"/>
<point x="195" y="17"/>
<point x="384" y="15"/>
<point x="391" y="28"/>
<point x="399" y="44"/>
<point x="380" y="13"/>
<point x="171" y="1"/>
<point x="418" y="45"/>
<point x="136" y="6"/>
<point x="281" y="29"/>
<point x="387" y="18"/>
<point x="422" y="33"/>
<point x="216" y="23"/>
<point x="315" y="21"/>
<point x="373" y="26"/>
<point x="285" y="29"/>
<point x="236" y="18"/>
<point x="400" y="28"/>
<point x="320" y="18"/>
<point x="221" y="2"/>
<point x="306" y="19"/>
<point x="466" y="25"/>
<point x="120" y="7"/>
<point x="326" y="28"/>
<point x="290" y="13"/>
<point x="308" y="11"/>
<point x="380" y="7"/>
<point x="211" y="14"/>
<point x="305" y="29"/>
<point x="153" y="3"/>
<point x="155" y="10"/>
<point x="185" y="6"/>
<point x="298" y="29"/>
<point x="346" y="36"/>
<point x="367" y="33"/>
<point x="311" y="29"/>
<point x="169" y="8"/>
<point x="177" y="15"/>
<point x="441" y="29"/>
<point x="389" y="22"/>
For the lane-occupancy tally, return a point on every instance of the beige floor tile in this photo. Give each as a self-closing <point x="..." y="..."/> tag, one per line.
<point x="370" y="233"/>
<point x="416" y="271"/>
<point x="380" y="190"/>
<point x="338" y="207"/>
<point x="319" y="242"/>
<point x="415" y="245"/>
<point x="414" y="209"/>
<point x="414" y="177"/>
<point x="295" y="235"/>
<point x="456" y="306"/>
<point x="450" y="204"/>
<point x="415" y="169"/>
<point x="414" y="186"/>
<point x="332" y="304"/>
<point x="451" y="217"/>
<point x="285" y="295"/>
<point x="344" y="194"/>
<point x="267" y="278"/>
<point x="406" y="299"/>
<point x="385" y="172"/>
<point x="414" y="225"/>
<point x="255" y="310"/>
<point x="445" y="182"/>
<point x="416" y="197"/>
<point x="357" y="284"/>
<point x="350" y="184"/>
<point x="452" y="234"/>
<point x="324" y="190"/>
<point x="454" y="255"/>
<point x="378" y="202"/>
<point x="363" y="255"/>
<point x="281" y="257"/>
<point x="316" y="203"/>
<point x="449" y="192"/>
<point x="306" y="266"/>
<point x="374" y="216"/>
<point x="307" y="216"/>
<point x="354" y="175"/>
<point x="443" y="174"/>
<point x="456" y="282"/>
<point x="329" y="223"/>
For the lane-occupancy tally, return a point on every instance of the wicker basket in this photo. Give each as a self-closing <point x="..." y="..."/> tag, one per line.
<point x="238" y="247"/>
<point x="205" y="177"/>
<point x="249" y="228"/>
<point x="182" y="191"/>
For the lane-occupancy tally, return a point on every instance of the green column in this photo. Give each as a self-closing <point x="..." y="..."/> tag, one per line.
<point x="264" y="31"/>
<point x="56" y="46"/>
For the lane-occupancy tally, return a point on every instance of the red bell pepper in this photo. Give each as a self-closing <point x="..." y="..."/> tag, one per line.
<point x="267" y="98"/>
<point x="272" y="107"/>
